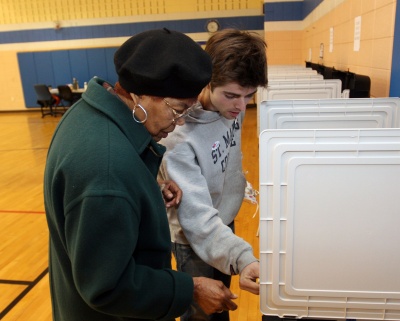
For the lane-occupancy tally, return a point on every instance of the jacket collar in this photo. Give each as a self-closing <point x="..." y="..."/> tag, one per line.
<point x="112" y="107"/>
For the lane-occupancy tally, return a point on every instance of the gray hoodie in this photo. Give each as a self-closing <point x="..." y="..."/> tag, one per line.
<point x="204" y="158"/>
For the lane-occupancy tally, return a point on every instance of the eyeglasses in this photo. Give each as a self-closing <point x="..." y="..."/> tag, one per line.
<point x="177" y="115"/>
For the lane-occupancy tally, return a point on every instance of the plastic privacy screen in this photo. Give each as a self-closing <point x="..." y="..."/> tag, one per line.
<point x="329" y="113"/>
<point x="301" y="89"/>
<point x="329" y="223"/>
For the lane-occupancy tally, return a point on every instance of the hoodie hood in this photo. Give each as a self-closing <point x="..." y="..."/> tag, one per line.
<point x="202" y="116"/>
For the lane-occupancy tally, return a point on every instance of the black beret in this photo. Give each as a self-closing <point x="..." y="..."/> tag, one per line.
<point x="162" y="63"/>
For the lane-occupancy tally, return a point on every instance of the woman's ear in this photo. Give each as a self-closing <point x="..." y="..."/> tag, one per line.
<point x="136" y="99"/>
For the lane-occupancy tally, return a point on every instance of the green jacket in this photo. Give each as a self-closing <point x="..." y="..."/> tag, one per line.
<point x="109" y="237"/>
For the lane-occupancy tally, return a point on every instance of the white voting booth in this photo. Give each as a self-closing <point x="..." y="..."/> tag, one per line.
<point x="330" y="113"/>
<point x="300" y="89"/>
<point x="294" y="76"/>
<point x="287" y="67"/>
<point x="303" y="71"/>
<point x="330" y="209"/>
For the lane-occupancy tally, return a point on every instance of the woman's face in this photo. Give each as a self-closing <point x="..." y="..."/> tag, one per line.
<point x="163" y="114"/>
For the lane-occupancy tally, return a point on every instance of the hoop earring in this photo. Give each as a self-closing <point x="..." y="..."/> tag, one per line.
<point x="145" y="114"/>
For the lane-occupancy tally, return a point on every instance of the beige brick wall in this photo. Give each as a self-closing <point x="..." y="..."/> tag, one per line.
<point x="374" y="58"/>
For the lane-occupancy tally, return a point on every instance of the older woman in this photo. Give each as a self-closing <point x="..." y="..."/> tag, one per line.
<point x="109" y="236"/>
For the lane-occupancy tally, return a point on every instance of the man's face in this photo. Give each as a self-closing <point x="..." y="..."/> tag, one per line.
<point x="231" y="99"/>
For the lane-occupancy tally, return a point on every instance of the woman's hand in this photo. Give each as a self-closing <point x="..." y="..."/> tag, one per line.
<point x="213" y="296"/>
<point x="171" y="193"/>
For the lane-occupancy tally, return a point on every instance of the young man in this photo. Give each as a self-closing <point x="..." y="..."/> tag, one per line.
<point x="204" y="158"/>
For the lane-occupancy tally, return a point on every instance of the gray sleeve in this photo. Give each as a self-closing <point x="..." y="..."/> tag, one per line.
<point x="210" y="237"/>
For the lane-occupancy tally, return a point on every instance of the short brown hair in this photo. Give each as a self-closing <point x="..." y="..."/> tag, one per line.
<point x="237" y="56"/>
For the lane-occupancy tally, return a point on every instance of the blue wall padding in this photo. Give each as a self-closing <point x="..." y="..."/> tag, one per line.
<point x="127" y="29"/>
<point x="55" y="68"/>
<point x="289" y="11"/>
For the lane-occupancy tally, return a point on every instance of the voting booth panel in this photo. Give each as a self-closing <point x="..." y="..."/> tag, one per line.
<point x="329" y="217"/>
<point x="330" y="113"/>
<point x="300" y="89"/>
<point x="330" y="211"/>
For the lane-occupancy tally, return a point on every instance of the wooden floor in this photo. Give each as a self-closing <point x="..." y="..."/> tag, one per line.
<point x="24" y="286"/>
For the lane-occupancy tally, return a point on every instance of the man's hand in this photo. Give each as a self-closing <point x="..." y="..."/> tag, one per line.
<point x="248" y="278"/>
<point x="171" y="192"/>
<point x="213" y="296"/>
